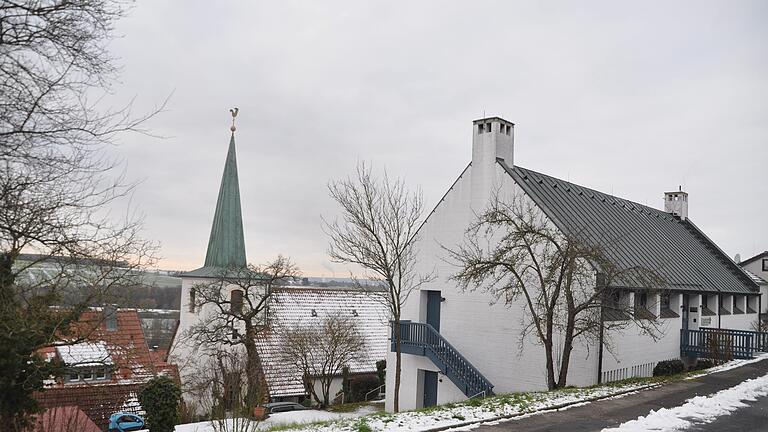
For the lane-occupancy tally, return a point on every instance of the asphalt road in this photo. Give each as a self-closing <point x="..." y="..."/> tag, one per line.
<point x="612" y="412"/>
<point x="753" y="418"/>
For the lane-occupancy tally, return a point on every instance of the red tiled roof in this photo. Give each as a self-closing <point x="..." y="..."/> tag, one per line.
<point x="134" y="364"/>
<point x="98" y="402"/>
<point x="65" y="419"/>
<point x="126" y="345"/>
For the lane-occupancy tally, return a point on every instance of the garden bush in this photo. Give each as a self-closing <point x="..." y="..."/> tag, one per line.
<point x="668" y="367"/>
<point x="360" y="385"/>
<point x="703" y="364"/>
<point x="160" y="400"/>
<point x="381" y="371"/>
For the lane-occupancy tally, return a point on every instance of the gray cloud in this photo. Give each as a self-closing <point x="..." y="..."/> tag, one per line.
<point x="628" y="99"/>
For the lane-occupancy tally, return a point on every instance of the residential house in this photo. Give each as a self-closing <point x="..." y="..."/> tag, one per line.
<point x="757" y="268"/>
<point x="473" y="344"/>
<point x="105" y="371"/>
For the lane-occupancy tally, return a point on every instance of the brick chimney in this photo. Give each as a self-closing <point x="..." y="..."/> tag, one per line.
<point x="676" y="203"/>
<point x="492" y="138"/>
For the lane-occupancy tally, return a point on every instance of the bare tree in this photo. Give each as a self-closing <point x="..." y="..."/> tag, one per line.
<point x="57" y="185"/>
<point x="569" y="289"/>
<point x="378" y="231"/>
<point x="218" y="388"/>
<point x="320" y="351"/>
<point x="234" y="312"/>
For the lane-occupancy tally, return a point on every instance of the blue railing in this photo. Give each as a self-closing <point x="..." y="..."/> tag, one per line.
<point x="422" y="339"/>
<point x="722" y="343"/>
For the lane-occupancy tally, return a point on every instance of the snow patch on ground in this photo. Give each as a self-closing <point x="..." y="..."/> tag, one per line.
<point x="284" y="418"/>
<point x="733" y="364"/>
<point x="701" y="409"/>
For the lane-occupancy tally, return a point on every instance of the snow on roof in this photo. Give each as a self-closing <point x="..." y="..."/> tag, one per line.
<point x="754" y="277"/>
<point x="295" y="306"/>
<point x="85" y="354"/>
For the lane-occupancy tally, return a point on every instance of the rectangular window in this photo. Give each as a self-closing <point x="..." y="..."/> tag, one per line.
<point x="101" y="373"/>
<point x="192" y="299"/>
<point x="73" y="376"/>
<point x="765" y="264"/>
<point x="665" y="300"/>
<point x="87" y="374"/>
<point x="236" y="301"/>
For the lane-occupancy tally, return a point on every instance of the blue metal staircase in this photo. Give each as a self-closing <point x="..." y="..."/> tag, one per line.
<point x="422" y="339"/>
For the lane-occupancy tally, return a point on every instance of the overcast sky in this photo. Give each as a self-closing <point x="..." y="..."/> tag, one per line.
<point x="630" y="99"/>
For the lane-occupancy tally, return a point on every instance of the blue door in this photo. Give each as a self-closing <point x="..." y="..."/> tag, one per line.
<point x="433" y="309"/>
<point x="430" y="388"/>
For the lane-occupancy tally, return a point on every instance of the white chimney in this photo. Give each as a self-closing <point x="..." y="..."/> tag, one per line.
<point x="492" y="138"/>
<point x="676" y="203"/>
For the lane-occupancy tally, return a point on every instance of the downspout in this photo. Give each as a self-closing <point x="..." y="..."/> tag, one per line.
<point x="600" y="352"/>
<point x="719" y="315"/>
<point x="600" y="282"/>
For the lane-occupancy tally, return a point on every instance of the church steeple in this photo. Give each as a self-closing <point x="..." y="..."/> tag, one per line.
<point x="226" y="246"/>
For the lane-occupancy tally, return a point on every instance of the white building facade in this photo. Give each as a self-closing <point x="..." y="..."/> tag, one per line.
<point x="487" y="333"/>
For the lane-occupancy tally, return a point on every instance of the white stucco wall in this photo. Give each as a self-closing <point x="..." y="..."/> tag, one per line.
<point x="486" y="333"/>
<point x="184" y="352"/>
<point x="756" y="267"/>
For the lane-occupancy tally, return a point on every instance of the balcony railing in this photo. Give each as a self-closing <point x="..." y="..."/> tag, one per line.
<point x="723" y="344"/>
<point x="422" y="339"/>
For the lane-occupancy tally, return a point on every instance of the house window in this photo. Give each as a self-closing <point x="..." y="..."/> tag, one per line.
<point x="192" y="299"/>
<point x="480" y="128"/>
<point x="765" y="264"/>
<point x="665" y="300"/>
<point x="236" y="301"/>
<point x="87" y="375"/>
<point x="644" y="299"/>
<point x="101" y="373"/>
<point x="73" y="376"/>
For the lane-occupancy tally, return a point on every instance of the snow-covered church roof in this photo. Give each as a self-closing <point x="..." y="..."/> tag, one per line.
<point x="308" y="306"/>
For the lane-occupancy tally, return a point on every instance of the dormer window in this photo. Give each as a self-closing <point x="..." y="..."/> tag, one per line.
<point x="354" y="312"/>
<point x="84" y="375"/>
<point x="313" y="313"/>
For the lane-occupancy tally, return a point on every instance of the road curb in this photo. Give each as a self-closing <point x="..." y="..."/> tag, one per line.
<point x="543" y="410"/>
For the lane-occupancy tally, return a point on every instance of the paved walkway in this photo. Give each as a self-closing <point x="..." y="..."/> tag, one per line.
<point x="612" y="412"/>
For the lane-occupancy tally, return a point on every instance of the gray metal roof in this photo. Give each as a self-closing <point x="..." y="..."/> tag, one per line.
<point x="631" y="234"/>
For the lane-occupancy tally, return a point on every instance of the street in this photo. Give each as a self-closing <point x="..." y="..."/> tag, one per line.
<point x="612" y="412"/>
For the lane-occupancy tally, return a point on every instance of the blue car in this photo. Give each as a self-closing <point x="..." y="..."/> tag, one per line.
<point x="124" y="422"/>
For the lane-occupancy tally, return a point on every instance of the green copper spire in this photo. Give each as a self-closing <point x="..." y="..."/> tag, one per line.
<point x="226" y="246"/>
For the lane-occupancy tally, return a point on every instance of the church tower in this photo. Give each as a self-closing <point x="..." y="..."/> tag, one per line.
<point x="226" y="250"/>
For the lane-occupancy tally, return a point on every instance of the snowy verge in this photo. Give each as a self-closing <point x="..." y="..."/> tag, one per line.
<point x="297" y="418"/>
<point x="698" y="410"/>
<point x="733" y="364"/>
<point x="468" y="414"/>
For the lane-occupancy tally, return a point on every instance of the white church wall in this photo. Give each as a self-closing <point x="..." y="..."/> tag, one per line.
<point x="190" y="358"/>
<point x="487" y="333"/>
<point x="411" y="388"/>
